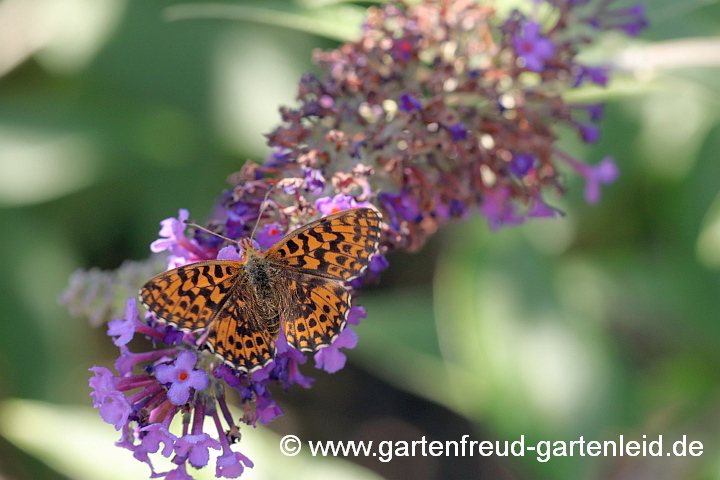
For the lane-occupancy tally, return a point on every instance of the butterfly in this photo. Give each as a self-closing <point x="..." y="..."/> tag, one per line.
<point x="296" y="286"/>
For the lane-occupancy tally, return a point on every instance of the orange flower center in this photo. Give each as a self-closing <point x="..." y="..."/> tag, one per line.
<point x="182" y="376"/>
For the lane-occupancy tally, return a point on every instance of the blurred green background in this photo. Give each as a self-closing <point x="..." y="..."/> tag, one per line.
<point x="605" y="322"/>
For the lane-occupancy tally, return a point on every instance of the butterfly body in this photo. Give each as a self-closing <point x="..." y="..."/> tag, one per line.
<point x="295" y="286"/>
<point x="260" y="275"/>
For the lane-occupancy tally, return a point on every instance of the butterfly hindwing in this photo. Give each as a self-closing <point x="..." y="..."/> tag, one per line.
<point x="189" y="297"/>
<point x="337" y="247"/>
<point x="239" y="338"/>
<point x="320" y="313"/>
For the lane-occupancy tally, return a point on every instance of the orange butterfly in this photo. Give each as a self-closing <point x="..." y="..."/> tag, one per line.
<point x="295" y="285"/>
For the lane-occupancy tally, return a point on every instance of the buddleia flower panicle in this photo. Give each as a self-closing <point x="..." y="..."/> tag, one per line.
<point x="440" y="110"/>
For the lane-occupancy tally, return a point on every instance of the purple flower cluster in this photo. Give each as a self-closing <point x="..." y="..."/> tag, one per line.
<point x="439" y="110"/>
<point x="151" y="388"/>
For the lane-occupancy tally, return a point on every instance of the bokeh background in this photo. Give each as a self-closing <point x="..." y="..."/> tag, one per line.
<point x="115" y="113"/>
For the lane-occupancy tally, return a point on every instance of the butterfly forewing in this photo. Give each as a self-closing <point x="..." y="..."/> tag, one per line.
<point x="189" y="297"/>
<point x="338" y="246"/>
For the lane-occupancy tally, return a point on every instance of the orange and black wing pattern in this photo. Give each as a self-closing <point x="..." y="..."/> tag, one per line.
<point x="337" y="247"/>
<point x="239" y="338"/>
<point x="320" y="314"/>
<point x="189" y="297"/>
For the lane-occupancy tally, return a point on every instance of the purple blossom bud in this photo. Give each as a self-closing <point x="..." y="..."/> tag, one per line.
<point x="408" y="103"/>
<point x="499" y="211"/>
<point x="182" y="377"/>
<point x="326" y="101"/>
<point x="589" y="133"/>
<point x="604" y="172"/>
<point x="597" y="75"/>
<point x="458" y="131"/>
<point x="521" y="164"/>
<point x="540" y="209"/>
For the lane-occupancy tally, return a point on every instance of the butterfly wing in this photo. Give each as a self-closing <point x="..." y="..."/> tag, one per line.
<point x="239" y="337"/>
<point x="214" y="294"/>
<point x="190" y="297"/>
<point x="319" y="313"/>
<point x="337" y="247"/>
<point x="313" y="260"/>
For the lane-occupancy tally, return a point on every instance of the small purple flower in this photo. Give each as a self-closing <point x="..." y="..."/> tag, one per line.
<point x="225" y="373"/>
<point x="595" y="111"/>
<point x="330" y="358"/>
<point x="155" y="434"/>
<point x="521" y="164"/>
<point x="499" y="211"/>
<point x="603" y="173"/>
<point x="266" y="410"/>
<point x="597" y="75"/>
<point x="297" y="378"/>
<point x="124" y="329"/>
<point x="401" y="204"/>
<point x="540" y="209"/>
<point x="284" y="350"/>
<point x="355" y="314"/>
<point x="173" y="229"/>
<point x="408" y="103"/>
<point x="631" y="19"/>
<point x="114" y="408"/>
<point x="378" y="263"/>
<point x="589" y="133"/>
<point x="231" y="465"/>
<point x="326" y="101"/>
<point x="533" y="47"/>
<point x="230" y="253"/>
<point x="458" y="131"/>
<point x="278" y="158"/>
<point x="270" y="234"/>
<point x="198" y="446"/>
<point x="182" y="377"/>
<point x="314" y="180"/>
<point x="338" y="203"/>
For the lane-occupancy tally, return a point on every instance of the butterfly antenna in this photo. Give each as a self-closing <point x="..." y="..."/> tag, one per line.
<point x="263" y="205"/>
<point x="191" y="224"/>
